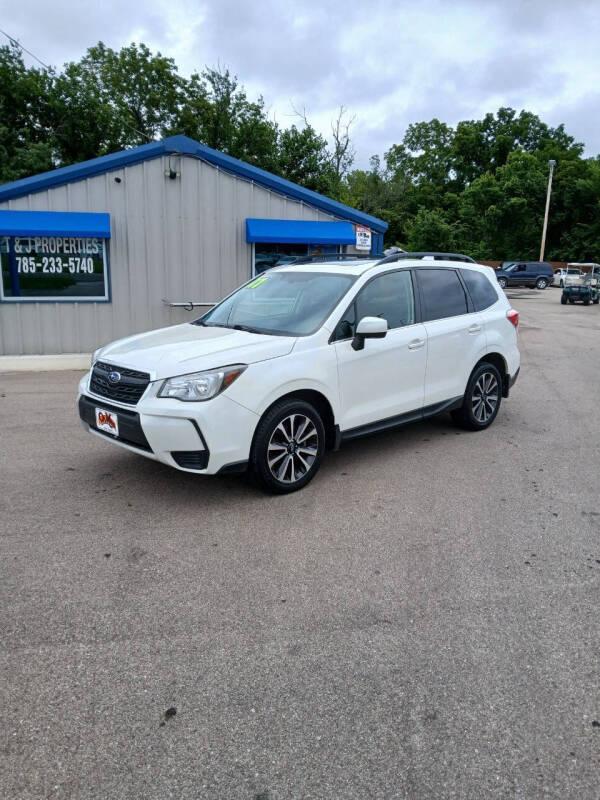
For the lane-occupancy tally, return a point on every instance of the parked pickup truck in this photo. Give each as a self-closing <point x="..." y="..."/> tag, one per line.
<point x="564" y="277"/>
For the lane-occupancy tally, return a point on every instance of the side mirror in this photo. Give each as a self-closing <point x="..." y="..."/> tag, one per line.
<point x="369" y="328"/>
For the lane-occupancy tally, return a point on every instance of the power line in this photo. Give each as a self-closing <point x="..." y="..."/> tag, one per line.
<point x="17" y="43"/>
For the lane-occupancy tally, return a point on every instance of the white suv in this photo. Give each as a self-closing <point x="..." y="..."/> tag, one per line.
<point x="304" y="357"/>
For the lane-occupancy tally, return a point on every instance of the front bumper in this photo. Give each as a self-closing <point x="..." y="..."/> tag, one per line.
<point x="205" y="437"/>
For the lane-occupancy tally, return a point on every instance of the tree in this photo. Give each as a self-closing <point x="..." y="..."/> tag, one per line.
<point x="343" y="153"/>
<point x="304" y="158"/>
<point x="481" y="146"/>
<point x="217" y="112"/>
<point x="479" y="187"/>
<point x="424" y="154"/>
<point x="431" y="230"/>
<point x="142" y="90"/>
<point x="25" y="139"/>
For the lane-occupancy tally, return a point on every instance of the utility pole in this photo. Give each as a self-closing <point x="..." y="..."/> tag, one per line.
<point x="552" y="164"/>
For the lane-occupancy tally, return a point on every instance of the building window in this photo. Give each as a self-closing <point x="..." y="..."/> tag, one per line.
<point x="267" y="255"/>
<point x="54" y="268"/>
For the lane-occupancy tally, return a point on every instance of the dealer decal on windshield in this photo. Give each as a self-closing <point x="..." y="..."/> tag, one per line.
<point x="257" y="282"/>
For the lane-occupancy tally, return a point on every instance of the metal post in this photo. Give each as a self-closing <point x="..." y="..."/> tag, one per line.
<point x="543" y="247"/>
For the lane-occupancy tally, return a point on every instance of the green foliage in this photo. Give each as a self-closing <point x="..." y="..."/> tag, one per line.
<point x="303" y="159"/>
<point x="24" y="146"/>
<point x="479" y="187"/>
<point x="217" y="112"/>
<point x="482" y="187"/>
<point x="431" y="230"/>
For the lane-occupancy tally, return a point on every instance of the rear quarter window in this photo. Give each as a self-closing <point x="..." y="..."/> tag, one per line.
<point x="483" y="293"/>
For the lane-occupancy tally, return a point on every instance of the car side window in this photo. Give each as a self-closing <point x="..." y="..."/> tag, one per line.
<point x="443" y="294"/>
<point x="390" y="297"/>
<point x="483" y="294"/>
<point x="521" y="268"/>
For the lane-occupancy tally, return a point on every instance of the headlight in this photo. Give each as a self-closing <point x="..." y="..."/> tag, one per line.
<point x="201" y="385"/>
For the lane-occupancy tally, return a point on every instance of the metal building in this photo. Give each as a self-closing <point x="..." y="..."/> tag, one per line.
<point x="109" y="247"/>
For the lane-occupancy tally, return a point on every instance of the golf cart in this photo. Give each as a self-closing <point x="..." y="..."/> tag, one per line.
<point x="585" y="289"/>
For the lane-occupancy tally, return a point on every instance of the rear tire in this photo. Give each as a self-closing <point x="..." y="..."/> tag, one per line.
<point x="288" y="447"/>
<point x="586" y="302"/>
<point x="541" y="283"/>
<point x="563" y="300"/>
<point x="482" y="399"/>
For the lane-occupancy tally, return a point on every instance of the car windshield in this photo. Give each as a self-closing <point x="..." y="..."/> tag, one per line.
<point x="281" y="303"/>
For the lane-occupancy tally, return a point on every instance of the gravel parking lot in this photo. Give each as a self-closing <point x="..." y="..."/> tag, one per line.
<point x="422" y="621"/>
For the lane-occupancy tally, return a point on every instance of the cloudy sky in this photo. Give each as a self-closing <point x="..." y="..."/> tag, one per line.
<point x="390" y="63"/>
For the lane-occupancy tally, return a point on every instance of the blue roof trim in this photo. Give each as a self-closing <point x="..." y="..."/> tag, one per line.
<point x="54" y="223"/>
<point x="186" y="146"/>
<point x="296" y="231"/>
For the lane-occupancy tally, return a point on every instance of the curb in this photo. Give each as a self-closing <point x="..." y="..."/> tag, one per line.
<point x="66" y="361"/>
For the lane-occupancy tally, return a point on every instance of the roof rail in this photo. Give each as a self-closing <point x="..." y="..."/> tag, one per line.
<point x="332" y="257"/>
<point x="426" y="256"/>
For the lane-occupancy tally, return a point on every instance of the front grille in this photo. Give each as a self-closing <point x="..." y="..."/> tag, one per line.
<point x="191" y="459"/>
<point x="128" y="389"/>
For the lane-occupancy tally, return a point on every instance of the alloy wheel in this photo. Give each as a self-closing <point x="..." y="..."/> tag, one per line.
<point x="292" y="448"/>
<point x="485" y="397"/>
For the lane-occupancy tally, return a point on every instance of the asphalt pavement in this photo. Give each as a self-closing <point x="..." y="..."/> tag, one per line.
<point x="422" y="621"/>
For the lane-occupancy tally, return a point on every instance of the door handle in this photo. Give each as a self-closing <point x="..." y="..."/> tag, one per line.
<point x="416" y="344"/>
<point x="475" y="329"/>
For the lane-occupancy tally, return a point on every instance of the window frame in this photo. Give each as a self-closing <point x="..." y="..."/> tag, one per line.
<point x="416" y="300"/>
<point x="19" y="299"/>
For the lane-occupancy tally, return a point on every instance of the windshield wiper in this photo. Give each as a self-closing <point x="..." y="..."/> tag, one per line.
<point x="237" y="327"/>
<point x="247" y="328"/>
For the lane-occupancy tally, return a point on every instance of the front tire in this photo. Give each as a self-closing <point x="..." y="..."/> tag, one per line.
<point x="541" y="283"/>
<point x="563" y="300"/>
<point x="288" y="447"/>
<point x="502" y="282"/>
<point x="482" y="399"/>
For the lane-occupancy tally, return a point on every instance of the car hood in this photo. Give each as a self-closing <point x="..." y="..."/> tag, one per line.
<point x="181" y="349"/>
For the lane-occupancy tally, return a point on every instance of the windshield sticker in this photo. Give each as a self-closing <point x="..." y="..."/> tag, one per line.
<point x="257" y="282"/>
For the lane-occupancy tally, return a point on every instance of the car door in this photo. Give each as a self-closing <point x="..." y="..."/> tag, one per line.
<point x="533" y="273"/>
<point x="455" y="334"/>
<point x="386" y="378"/>
<point x="518" y="276"/>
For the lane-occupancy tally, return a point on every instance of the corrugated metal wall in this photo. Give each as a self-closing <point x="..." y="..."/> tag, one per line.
<point x="178" y="239"/>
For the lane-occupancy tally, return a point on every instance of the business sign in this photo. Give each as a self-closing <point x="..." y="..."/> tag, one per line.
<point x="54" y="268"/>
<point x="363" y="238"/>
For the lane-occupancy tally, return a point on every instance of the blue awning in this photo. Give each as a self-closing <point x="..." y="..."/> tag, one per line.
<point x="54" y="223"/>
<point x="298" y="231"/>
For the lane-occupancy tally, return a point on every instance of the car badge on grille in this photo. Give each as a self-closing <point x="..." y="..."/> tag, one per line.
<point x="114" y="376"/>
